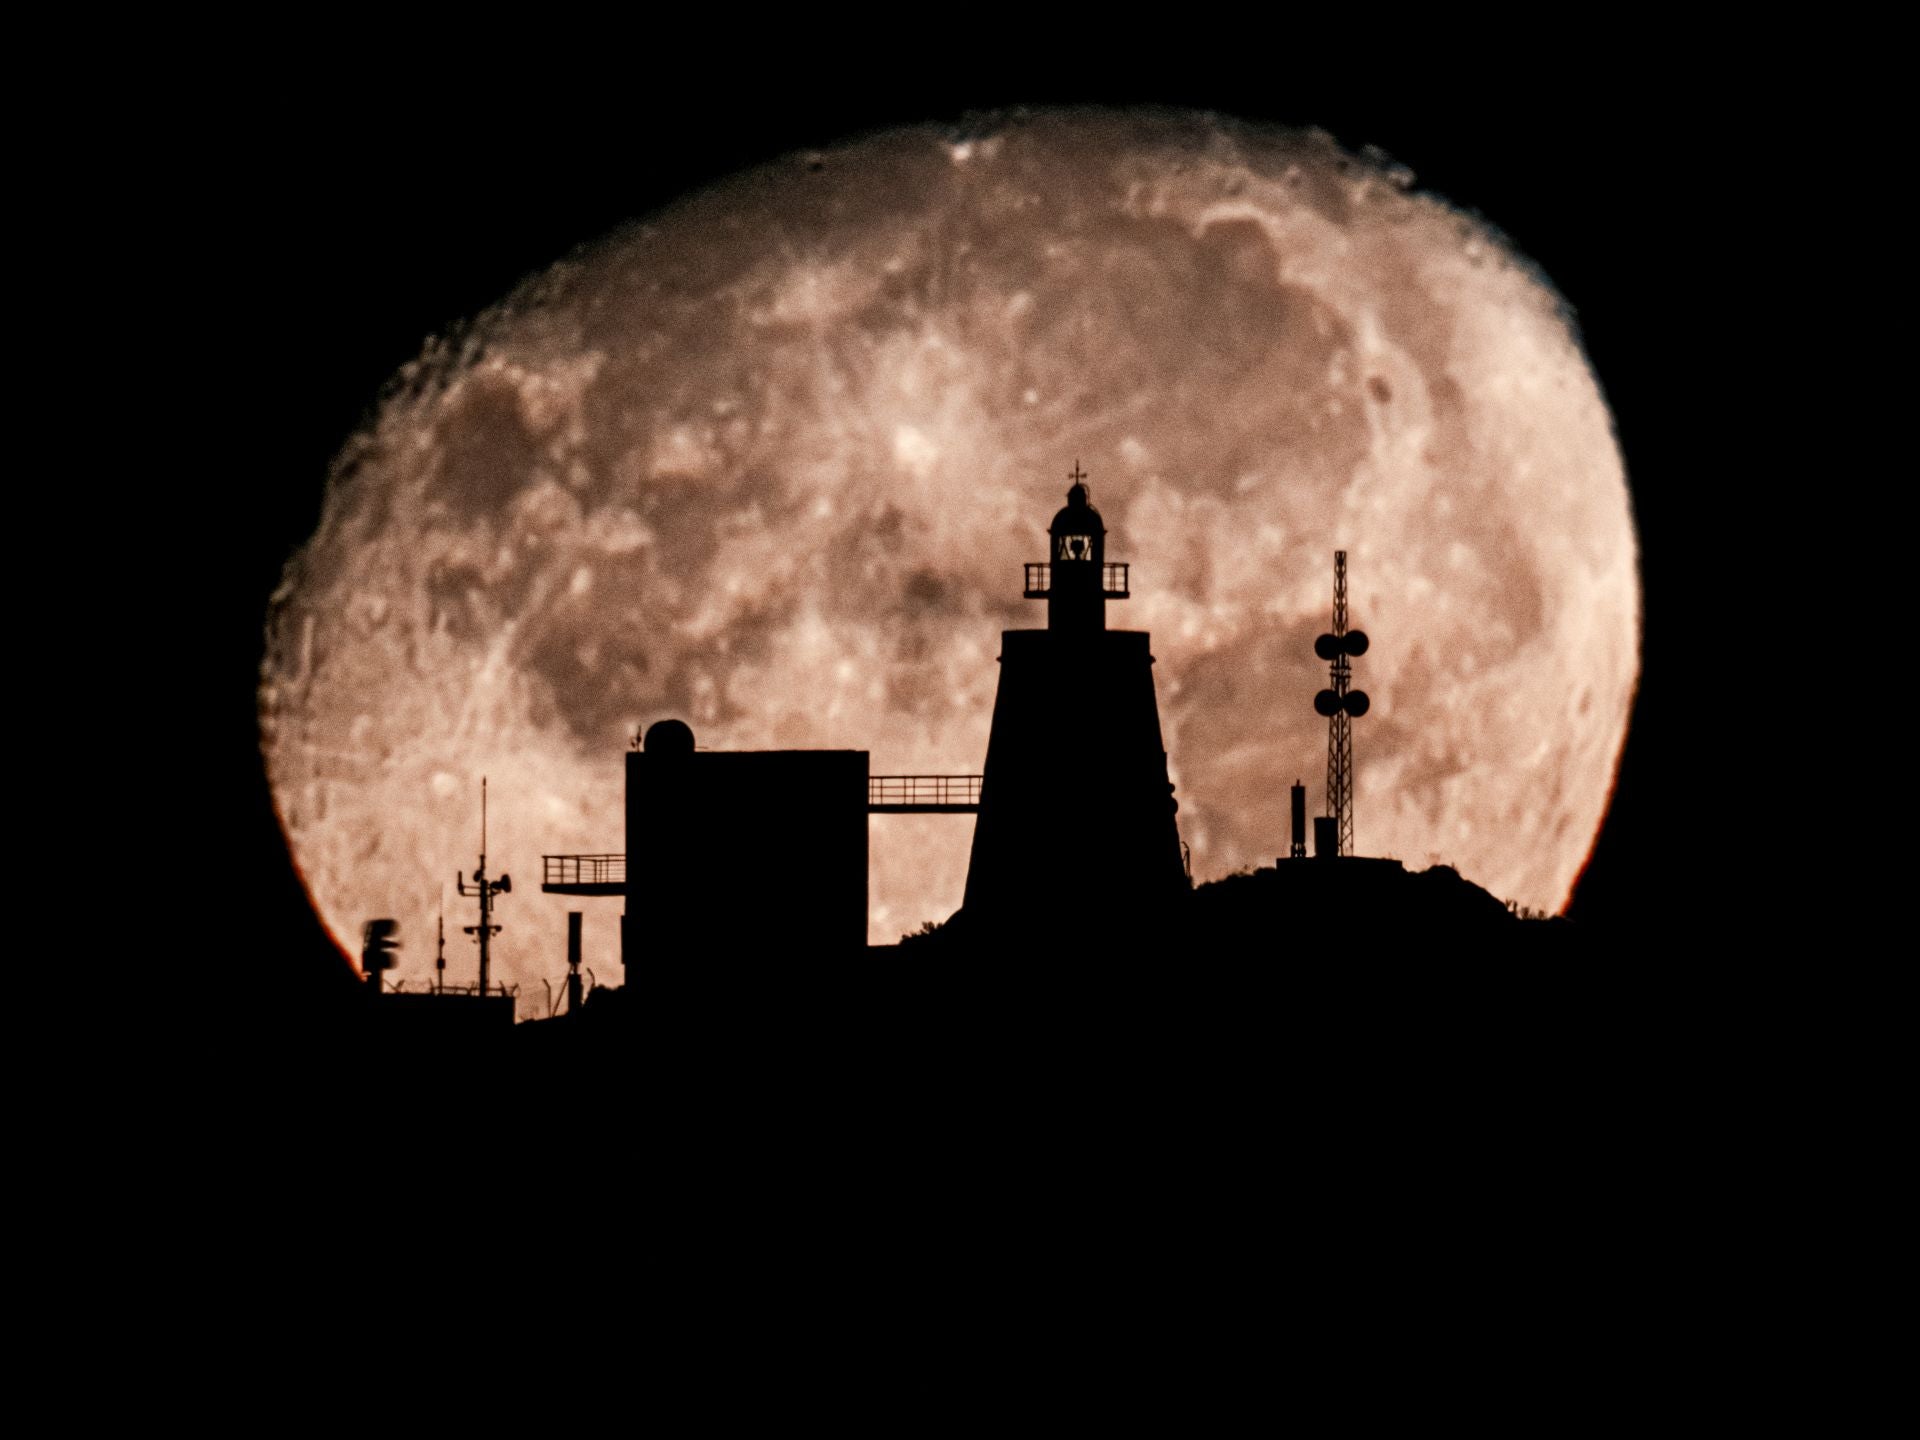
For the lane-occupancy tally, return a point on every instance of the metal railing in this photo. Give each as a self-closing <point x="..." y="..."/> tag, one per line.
<point x="923" y="794"/>
<point x="583" y="869"/>
<point x="1113" y="580"/>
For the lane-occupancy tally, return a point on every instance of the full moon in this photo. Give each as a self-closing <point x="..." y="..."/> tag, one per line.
<point x="770" y="461"/>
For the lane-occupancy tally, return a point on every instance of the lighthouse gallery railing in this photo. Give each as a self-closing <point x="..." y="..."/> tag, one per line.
<point x="1113" y="579"/>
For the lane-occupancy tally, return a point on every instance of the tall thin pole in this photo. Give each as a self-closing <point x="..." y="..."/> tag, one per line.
<point x="486" y="926"/>
<point x="484" y="889"/>
<point x="486" y="896"/>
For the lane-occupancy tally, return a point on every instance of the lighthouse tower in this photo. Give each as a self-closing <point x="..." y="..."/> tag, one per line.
<point x="1076" y="836"/>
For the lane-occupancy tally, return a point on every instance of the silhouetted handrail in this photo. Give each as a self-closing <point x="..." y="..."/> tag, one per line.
<point x="583" y="869"/>
<point x="923" y="794"/>
<point x="1113" y="580"/>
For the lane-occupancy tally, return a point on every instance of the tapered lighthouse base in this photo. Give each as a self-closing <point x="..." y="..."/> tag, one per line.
<point x="1076" y="838"/>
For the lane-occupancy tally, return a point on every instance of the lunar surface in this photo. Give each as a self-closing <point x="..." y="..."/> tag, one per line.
<point x="771" y="460"/>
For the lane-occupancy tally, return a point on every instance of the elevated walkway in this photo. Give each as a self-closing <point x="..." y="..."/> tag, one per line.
<point x="923" y="794"/>
<point x="886" y="795"/>
<point x="583" y="874"/>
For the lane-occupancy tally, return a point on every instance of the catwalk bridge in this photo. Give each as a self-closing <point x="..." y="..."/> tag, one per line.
<point x="886" y="795"/>
<point x="923" y="794"/>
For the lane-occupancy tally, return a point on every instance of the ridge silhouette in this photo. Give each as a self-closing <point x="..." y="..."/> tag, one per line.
<point x="744" y="880"/>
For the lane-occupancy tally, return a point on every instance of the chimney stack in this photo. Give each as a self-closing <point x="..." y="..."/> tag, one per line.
<point x="573" y="961"/>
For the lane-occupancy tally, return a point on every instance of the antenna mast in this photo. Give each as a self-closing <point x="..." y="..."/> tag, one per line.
<point x="484" y="889"/>
<point x="1341" y="706"/>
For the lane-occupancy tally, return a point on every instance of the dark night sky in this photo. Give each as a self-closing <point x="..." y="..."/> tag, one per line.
<point x="359" y="221"/>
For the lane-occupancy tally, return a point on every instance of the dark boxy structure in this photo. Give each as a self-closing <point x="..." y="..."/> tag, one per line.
<point x="1076" y="834"/>
<point x="760" y="852"/>
<point x="743" y="851"/>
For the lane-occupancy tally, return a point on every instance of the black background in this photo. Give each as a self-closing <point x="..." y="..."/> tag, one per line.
<point x="341" y="223"/>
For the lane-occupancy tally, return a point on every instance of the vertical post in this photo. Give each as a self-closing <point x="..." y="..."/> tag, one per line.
<point x="1299" y="848"/>
<point x="485" y="889"/>
<point x="486" y="923"/>
<point x="573" y="961"/>
<point x="486" y="900"/>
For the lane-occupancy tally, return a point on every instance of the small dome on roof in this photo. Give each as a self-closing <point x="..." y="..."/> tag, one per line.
<point x="669" y="737"/>
<point x="1078" y="517"/>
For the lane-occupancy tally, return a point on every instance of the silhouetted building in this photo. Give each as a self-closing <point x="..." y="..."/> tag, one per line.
<point x="743" y="850"/>
<point x="1076" y="834"/>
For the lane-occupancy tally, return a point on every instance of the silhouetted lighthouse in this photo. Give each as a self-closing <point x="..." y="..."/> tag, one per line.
<point x="1076" y="835"/>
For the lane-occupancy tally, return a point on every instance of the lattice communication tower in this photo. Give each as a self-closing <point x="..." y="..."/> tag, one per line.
<point x="1341" y="705"/>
